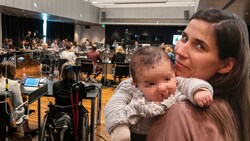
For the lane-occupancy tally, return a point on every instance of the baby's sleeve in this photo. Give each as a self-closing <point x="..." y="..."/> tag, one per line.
<point x="188" y="86"/>
<point x="115" y="110"/>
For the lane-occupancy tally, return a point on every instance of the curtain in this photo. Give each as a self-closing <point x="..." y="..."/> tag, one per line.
<point x="16" y="27"/>
<point x="60" y="31"/>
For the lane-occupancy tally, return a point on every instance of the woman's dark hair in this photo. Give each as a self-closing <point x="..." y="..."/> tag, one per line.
<point x="7" y="69"/>
<point x="231" y="36"/>
<point x="67" y="72"/>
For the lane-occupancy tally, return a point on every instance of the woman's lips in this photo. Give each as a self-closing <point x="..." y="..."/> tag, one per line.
<point x="179" y="65"/>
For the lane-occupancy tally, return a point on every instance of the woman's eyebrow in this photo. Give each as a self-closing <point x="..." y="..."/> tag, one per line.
<point x="202" y="42"/>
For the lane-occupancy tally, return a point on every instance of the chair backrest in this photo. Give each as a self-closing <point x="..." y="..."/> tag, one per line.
<point x="6" y="107"/>
<point x="87" y="66"/>
<point x="60" y="63"/>
<point x="122" y="69"/>
<point x="62" y="97"/>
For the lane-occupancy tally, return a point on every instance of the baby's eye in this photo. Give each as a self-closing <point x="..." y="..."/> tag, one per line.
<point x="150" y="84"/>
<point x="167" y="78"/>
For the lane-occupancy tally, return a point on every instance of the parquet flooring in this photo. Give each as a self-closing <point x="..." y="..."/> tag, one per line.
<point x="100" y="131"/>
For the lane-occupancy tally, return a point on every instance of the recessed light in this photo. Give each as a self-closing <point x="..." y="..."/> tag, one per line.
<point x="35" y="5"/>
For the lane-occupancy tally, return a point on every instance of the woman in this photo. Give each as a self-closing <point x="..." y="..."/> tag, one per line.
<point x="119" y="55"/>
<point x="62" y="89"/>
<point x="8" y="71"/>
<point x="68" y="54"/>
<point x="214" y="47"/>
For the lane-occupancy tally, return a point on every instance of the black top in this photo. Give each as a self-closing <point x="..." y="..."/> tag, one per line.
<point x="118" y="57"/>
<point x="63" y="89"/>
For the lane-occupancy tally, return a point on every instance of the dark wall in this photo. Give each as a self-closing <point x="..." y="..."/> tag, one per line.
<point x="16" y="28"/>
<point x="144" y="34"/>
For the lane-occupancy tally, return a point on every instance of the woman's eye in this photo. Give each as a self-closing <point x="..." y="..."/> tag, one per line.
<point x="184" y="38"/>
<point x="200" y="46"/>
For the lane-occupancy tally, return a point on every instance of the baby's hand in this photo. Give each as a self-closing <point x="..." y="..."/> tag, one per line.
<point x="120" y="133"/>
<point x="203" y="98"/>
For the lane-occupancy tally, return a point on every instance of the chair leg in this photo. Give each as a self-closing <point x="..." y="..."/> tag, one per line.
<point x="7" y="136"/>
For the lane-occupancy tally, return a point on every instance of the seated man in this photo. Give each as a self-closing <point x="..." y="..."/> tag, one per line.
<point x="94" y="55"/>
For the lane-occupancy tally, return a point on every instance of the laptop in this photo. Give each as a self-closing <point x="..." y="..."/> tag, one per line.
<point x="31" y="82"/>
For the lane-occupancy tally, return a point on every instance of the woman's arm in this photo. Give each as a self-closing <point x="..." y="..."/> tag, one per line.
<point x="16" y="91"/>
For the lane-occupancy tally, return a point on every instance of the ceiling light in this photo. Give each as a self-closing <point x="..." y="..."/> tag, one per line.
<point x="35" y="5"/>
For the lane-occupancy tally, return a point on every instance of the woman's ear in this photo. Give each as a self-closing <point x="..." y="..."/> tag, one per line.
<point x="227" y="65"/>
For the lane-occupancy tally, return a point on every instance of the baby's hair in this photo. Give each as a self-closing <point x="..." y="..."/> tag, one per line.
<point x="146" y="57"/>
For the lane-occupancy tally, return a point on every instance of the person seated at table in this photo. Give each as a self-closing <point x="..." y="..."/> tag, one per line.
<point x="68" y="54"/>
<point x="22" y="45"/>
<point x="88" y="45"/>
<point x="14" y="87"/>
<point x="55" y="46"/>
<point x="119" y="56"/>
<point x="62" y="88"/>
<point x="94" y="55"/>
<point x="34" y="44"/>
<point x="114" y="45"/>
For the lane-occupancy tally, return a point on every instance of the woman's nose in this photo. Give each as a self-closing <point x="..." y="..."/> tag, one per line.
<point x="181" y="49"/>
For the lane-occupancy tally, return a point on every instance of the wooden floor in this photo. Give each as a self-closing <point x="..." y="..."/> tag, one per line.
<point x="100" y="131"/>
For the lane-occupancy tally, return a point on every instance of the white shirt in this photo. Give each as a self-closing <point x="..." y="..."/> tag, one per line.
<point x="70" y="56"/>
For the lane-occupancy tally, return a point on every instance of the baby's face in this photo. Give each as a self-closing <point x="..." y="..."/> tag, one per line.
<point x="157" y="83"/>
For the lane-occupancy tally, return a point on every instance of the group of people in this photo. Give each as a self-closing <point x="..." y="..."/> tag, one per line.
<point x="212" y="99"/>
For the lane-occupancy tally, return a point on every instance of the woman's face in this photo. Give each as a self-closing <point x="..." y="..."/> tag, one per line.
<point x="197" y="52"/>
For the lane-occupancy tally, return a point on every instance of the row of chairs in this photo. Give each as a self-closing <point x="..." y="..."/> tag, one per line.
<point x="121" y="69"/>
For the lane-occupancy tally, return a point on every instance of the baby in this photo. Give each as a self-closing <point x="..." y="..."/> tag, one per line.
<point x="152" y="89"/>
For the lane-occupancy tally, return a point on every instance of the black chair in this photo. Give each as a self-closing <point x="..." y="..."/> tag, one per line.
<point x="60" y="63"/>
<point x="121" y="71"/>
<point x="87" y="67"/>
<point x="48" y="63"/>
<point x="10" y="116"/>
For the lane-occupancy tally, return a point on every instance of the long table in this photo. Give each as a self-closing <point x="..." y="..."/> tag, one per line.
<point x="93" y="95"/>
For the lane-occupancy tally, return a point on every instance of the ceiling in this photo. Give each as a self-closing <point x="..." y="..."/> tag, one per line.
<point x="240" y="7"/>
<point x="141" y="3"/>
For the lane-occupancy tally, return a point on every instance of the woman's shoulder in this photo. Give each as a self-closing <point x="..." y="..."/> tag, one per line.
<point x="181" y="108"/>
<point x="13" y="82"/>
